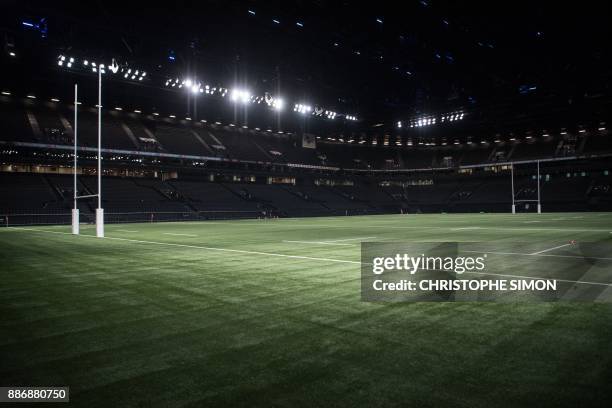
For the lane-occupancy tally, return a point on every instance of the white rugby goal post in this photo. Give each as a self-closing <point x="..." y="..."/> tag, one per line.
<point x="514" y="200"/>
<point x="99" y="209"/>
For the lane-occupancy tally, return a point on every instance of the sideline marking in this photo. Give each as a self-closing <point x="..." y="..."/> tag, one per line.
<point x="349" y="239"/>
<point x="313" y="258"/>
<point x="556" y="256"/>
<point x="239" y="251"/>
<point x="549" y="249"/>
<point x="179" y="235"/>
<point x="122" y="230"/>
<point x="318" y="243"/>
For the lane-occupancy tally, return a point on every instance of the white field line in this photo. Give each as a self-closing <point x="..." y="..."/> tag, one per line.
<point x="203" y="222"/>
<point x="550" y="249"/>
<point x="530" y="222"/>
<point x="238" y="251"/>
<point x="318" y="243"/>
<point x="122" y="230"/>
<point x="302" y="257"/>
<point x="179" y="235"/>
<point x="550" y="255"/>
<point x="349" y="239"/>
<point x="464" y="228"/>
<point x="493" y="228"/>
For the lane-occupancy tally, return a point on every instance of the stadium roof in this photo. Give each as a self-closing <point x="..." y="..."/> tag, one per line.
<point x="381" y="61"/>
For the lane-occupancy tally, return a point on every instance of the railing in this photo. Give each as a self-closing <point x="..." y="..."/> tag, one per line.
<point x="64" y="218"/>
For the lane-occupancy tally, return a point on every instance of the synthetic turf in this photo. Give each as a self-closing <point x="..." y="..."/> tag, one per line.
<point x="235" y="314"/>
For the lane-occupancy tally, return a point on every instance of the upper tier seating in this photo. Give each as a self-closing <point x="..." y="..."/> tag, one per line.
<point x="45" y="122"/>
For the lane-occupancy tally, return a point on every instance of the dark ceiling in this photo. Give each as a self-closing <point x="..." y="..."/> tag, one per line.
<point x="383" y="61"/>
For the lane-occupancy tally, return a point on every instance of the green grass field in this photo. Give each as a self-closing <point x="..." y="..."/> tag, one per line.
<point x="268" y="313"/>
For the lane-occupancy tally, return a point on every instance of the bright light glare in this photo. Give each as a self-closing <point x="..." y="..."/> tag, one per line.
<point x="239" y="95"/>
<point x="279" y="104"/>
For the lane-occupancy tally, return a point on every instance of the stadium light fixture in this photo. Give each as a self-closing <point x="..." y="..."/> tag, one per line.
<point x="54" y="100"/>
<point x="330" y="114"/>
<point x="12" y="54"/>
<point x="278" y="104"/>
<point x="31" y="96"/>
<point x="240" y="95"/>
<point x="7" y="93"/>
<point x="302" y="108"/>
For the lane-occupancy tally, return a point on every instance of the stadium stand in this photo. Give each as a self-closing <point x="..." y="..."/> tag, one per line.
<point x="40" y="125"/>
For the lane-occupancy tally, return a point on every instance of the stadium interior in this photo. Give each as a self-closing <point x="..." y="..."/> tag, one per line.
<point x="191" y="151"/>
<point x="246" y="112"/>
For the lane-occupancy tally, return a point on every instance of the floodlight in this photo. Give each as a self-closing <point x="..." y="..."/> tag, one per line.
<point x="239" y="95"/>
